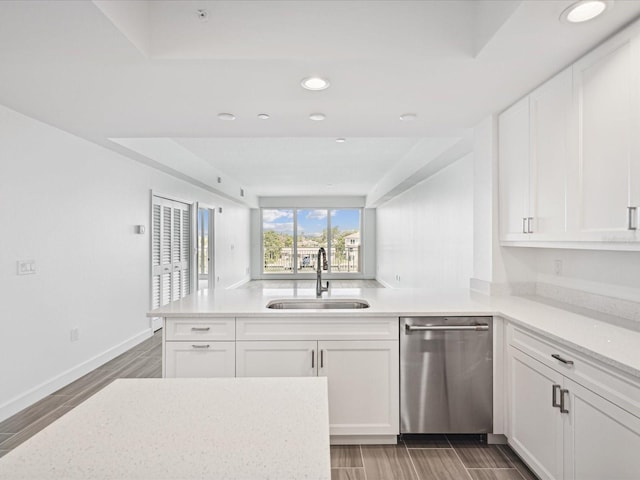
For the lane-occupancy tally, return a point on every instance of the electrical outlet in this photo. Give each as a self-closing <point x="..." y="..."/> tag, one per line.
<point x="557" y="267"/>
<point x="75" y="334"/>
<point x="26" y="267"/>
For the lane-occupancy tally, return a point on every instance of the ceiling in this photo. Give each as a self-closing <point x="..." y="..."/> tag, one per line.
<point x="148" y="78"/>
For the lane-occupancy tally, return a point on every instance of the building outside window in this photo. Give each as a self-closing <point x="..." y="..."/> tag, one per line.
<point x="291" y="239"/>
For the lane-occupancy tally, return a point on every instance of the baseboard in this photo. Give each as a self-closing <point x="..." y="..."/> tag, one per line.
<point x="383" y="283"/>
<point x="238" y="284"/>
<point x="38" y="392"/>
<point x="496" y="439"/>
<point x="363" y="439"/>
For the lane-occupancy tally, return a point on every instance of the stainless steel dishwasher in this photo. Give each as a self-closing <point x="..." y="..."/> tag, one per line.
<point x="446" y="374"/>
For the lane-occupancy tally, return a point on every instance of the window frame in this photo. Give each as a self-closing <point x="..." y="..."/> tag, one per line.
<point x="295" y="274"/>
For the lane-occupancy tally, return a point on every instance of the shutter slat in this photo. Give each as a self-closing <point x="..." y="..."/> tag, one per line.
<point x="175" y="251"/>
<point x="166" y="235"/>
<point x="166" y="288"/>
<point x="155" y="241"/>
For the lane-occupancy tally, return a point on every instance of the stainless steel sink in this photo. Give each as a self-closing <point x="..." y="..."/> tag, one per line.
<point x="320" y="303"/>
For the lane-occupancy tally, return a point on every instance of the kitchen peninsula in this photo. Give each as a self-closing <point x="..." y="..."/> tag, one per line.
<point x="591" y="366"/>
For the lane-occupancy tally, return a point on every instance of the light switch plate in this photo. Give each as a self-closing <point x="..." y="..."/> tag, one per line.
<point x="26" y="267"/>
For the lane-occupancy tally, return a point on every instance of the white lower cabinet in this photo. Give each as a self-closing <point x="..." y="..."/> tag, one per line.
<point x="276" y="359"/>
<point x="199" y="347"/>
<point x="362" y="375"/>
<point x="363" y="379"/>
<point x="359" y="357"/>
<point x="199" y="359"/>
<point x="563" y="429"/>
<point x="535" y="425"/>
<point x="601" y="439"/>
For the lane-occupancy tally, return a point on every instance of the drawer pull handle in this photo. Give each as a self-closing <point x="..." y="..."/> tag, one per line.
<point x="200" y="329"/>
<point x="554" y="390"/>
<point x="562" y="409"/>
<point x="631" y="218"/>
<point x="201" y="346"/>
<point x="313" y="359"/>
<point x="321" y="358"/>
<point x="563" y="360"/>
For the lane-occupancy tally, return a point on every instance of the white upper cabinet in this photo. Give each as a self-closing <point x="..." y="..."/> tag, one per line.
<point x="514" y="171"/>
<point x="534" y="163"/>
<point x="607" y="103"/>
<point x="550" y="120"/>
<point x="569" y="154"/>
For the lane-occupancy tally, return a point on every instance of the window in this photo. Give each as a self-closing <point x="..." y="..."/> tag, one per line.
<point x="291" y="239"/>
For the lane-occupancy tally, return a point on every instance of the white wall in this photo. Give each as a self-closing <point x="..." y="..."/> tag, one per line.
<point x="425" y="235"/>
<point x="71" y="206"/>
<point x="611" y="273"/>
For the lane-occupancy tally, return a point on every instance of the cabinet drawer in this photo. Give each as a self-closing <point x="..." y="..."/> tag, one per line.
<point x="199" y="329"/>
<point x="199" y="359"/>
<point x="615" y="386"/>
<point x="317" y="328"/>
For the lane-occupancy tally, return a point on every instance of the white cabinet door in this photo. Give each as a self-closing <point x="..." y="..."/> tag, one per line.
<point x="199" y="359"/>
<point x="535" y="425"/>
<point x="276" y="359"/>
<point x="601" y="439"/>
<point x="363" y="379"/>
<point x="550" y="115"/>
<point x="513" y="171"/>
<point x="606" y="88"/>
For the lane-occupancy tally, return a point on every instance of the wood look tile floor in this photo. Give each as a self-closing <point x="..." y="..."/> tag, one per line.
<point x="431" y="457"/>
<point x="142" y="361"/>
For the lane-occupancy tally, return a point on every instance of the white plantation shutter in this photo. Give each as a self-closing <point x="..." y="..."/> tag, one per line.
<point x="170" y="248"/>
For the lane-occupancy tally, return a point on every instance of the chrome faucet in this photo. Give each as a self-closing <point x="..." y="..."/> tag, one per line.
<point x="319" y="268"/>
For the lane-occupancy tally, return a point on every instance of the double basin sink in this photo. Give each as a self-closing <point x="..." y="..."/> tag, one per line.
<point x="317" y="304"/>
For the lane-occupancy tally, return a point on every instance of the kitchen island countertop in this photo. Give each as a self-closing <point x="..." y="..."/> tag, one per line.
<point x="215" y="428"/>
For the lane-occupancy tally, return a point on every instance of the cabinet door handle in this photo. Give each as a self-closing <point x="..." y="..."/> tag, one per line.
<point x="529" y="224"/>
<point x="321" y="358"/>
<point x="560" y="359"/>
<point x="313" y="359"/>
<point x="562" y="406"/>
<point x="631" y="212"/>
<point x="201" y="346"/>
<point x="200" y="329"/>
<point x="554" y="390"/>
<point x="524" y="225"/>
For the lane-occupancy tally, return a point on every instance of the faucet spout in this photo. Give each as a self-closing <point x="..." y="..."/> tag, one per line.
<point x="322" y="255"/>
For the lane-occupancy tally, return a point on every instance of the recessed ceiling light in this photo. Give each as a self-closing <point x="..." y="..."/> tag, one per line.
<point x="264" y="116"/>
<point x="408" y="117"/>
<point x="315" y="83"/>
<point x="203" y="15"/>
<point x="317" y="116"/>
<point x="584" y="10"/>
<point x="341" y="140"/>
<point x="226" y="116"/>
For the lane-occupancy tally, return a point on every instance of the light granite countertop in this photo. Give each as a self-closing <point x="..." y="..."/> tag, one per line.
<point x="605" y="341"/>
<point x="215" y="428"/>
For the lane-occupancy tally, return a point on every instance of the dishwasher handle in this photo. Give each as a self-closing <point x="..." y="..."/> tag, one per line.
<point x="482" y="327"/>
